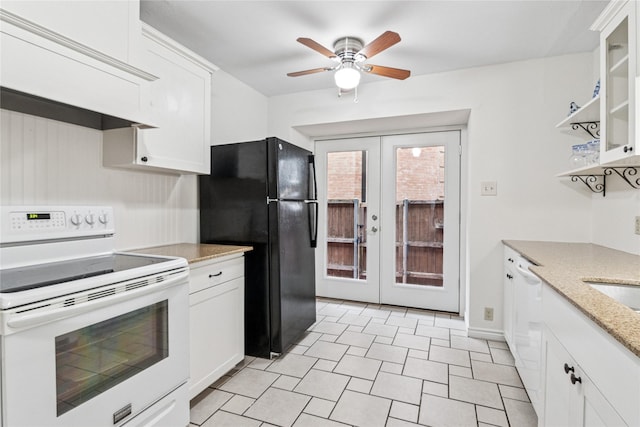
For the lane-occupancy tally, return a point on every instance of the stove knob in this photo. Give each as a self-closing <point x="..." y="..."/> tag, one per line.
<point x="89" y="219"/>
<point x="103" y="218"/>
<point x="76" y="220"/>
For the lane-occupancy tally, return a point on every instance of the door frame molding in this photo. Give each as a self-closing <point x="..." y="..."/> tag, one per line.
<point x="464" y="196"/>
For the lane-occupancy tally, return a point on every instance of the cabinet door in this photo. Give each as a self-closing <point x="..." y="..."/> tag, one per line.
<point x="216" y="333"/>
<point x="595" y="410"/>
<point x="618" y="41"/>
<point x="180" y="103"/>
<point x="572" y="399"/>
<point x="561" y="399"/>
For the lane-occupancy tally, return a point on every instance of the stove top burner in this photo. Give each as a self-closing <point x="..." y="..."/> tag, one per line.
<point x="37" y="276"/>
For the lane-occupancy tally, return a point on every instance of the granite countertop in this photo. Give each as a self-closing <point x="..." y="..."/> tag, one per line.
<point x="194" y="252"/>
<point x="564" y="266"/>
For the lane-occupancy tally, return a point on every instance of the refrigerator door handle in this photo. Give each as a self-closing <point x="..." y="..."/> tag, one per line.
<point x="313" y="222"/>
<point x="313" y="185"/>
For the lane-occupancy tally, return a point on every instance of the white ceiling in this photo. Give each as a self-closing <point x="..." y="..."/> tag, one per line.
<point x="255" y="41"/>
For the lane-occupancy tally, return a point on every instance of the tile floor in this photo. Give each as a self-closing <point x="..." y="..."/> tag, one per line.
<point x="370" y="365"/>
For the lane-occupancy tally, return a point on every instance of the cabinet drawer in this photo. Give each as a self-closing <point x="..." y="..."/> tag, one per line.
<point x="212" y="273"/>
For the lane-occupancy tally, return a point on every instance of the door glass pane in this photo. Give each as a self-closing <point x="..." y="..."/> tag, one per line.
<point x="619" y="69"/>
<point x="346" y="214"/>
<point x="419" y="215"/>
<point x="95" y="358"/>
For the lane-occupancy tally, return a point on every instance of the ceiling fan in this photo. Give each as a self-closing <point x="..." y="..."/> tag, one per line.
<point x="350" y="53"/>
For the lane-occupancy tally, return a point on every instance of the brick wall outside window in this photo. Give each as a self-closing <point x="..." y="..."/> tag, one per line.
<point x="418" y="178"/>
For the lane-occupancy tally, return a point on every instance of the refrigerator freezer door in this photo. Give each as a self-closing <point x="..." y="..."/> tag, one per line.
<point x="289" y="171"/>
<point x="293" y="273"/>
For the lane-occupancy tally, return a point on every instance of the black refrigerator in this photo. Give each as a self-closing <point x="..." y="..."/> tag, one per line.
<point x="263" y="194"/>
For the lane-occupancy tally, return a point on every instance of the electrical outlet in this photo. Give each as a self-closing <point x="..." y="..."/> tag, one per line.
<point x="638" y="225"/>
<point x="488" y="313"/>
<point x="489" y="188"/>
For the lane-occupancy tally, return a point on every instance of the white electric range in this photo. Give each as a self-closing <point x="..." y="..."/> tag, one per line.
<point x="88" y="336"/>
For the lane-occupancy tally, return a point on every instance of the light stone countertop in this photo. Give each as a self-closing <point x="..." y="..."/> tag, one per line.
<point x="194" y="252"/>
<point x="564" y="266"/>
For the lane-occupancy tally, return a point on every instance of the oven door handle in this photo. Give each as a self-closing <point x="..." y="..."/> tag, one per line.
<point x="22" y="321"/>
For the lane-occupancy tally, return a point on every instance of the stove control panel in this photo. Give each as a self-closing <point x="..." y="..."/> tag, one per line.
<point x="31" y="223"/>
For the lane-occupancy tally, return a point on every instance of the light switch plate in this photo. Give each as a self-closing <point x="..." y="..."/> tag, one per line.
<point x="489" y="188"/>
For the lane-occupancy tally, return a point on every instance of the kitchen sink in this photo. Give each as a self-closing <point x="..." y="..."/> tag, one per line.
<point x="628" y="295"/>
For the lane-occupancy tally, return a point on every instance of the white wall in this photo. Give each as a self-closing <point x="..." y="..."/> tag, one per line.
<point x="511" y="139"/>
<point x="239" y="112"/>
<point x="614" y="216"/>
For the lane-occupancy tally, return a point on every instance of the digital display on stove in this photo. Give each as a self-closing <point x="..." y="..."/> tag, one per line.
<point x="31" y="216"/>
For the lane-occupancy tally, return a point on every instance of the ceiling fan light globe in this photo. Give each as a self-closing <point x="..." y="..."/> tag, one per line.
<point x="347" y="78"/>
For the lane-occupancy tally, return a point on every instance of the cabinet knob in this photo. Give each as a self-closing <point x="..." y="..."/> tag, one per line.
<point x="627" y="149"/>
<point x="144" y="159"/>
<point x="215" y="275"/>
<point x="568" y="369"/>
<point x="575" y="379"/>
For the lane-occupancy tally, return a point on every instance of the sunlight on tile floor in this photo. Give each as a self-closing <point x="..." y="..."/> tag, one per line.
<point x="369" y="365"/>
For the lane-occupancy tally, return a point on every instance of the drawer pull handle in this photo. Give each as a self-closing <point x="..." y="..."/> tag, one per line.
<point x="575" y="379"/>
<point x="215" y="275"/>
<point x="568" y="369"/>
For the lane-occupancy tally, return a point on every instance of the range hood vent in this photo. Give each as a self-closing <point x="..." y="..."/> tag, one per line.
<point x="36" y="106"/>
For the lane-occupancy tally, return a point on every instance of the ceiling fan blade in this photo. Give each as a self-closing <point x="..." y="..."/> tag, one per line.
<point x="384" y="41"/>
<point x="305" y="72"/>
<point x="316" y="46"/>
<point x="394" y="73"/>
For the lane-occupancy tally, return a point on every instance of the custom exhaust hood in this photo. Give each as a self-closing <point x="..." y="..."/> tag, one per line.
<point x="87" y="78"/>
<point x="37" y="106"/>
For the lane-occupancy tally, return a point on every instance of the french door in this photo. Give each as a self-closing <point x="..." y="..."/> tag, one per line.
<point x="348" y="249"/>
<point x="389" y="230"/>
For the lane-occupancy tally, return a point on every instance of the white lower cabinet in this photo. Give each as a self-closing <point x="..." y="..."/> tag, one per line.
<point x="216" y="299"/>
<point x="590" y="379"/>
<point x="587" y="377"/>
<point x="571" y="398"/>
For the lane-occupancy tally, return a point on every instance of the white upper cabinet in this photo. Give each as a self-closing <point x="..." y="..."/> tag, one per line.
<point x="179" y="103"/>
<point x="80" y="53"/>
<point x="618" y="70"/>
<point x="109" y="27"/>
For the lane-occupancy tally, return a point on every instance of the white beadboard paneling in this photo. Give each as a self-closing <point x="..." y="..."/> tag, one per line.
<point x="47" y="162"/>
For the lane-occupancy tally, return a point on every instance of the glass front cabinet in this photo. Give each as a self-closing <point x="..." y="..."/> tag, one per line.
<point x="619" y="76"/>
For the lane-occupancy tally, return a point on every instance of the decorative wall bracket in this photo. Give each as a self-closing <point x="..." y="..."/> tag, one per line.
<point x="592" y="128"/>
<point x="595" y="183"/>
<point x="627" y="173"/>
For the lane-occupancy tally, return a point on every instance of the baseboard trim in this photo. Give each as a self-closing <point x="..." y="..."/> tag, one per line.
<point x="486" y="334"/>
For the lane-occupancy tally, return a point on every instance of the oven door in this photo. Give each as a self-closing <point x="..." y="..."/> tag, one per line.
<point x="100" y="362"/>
